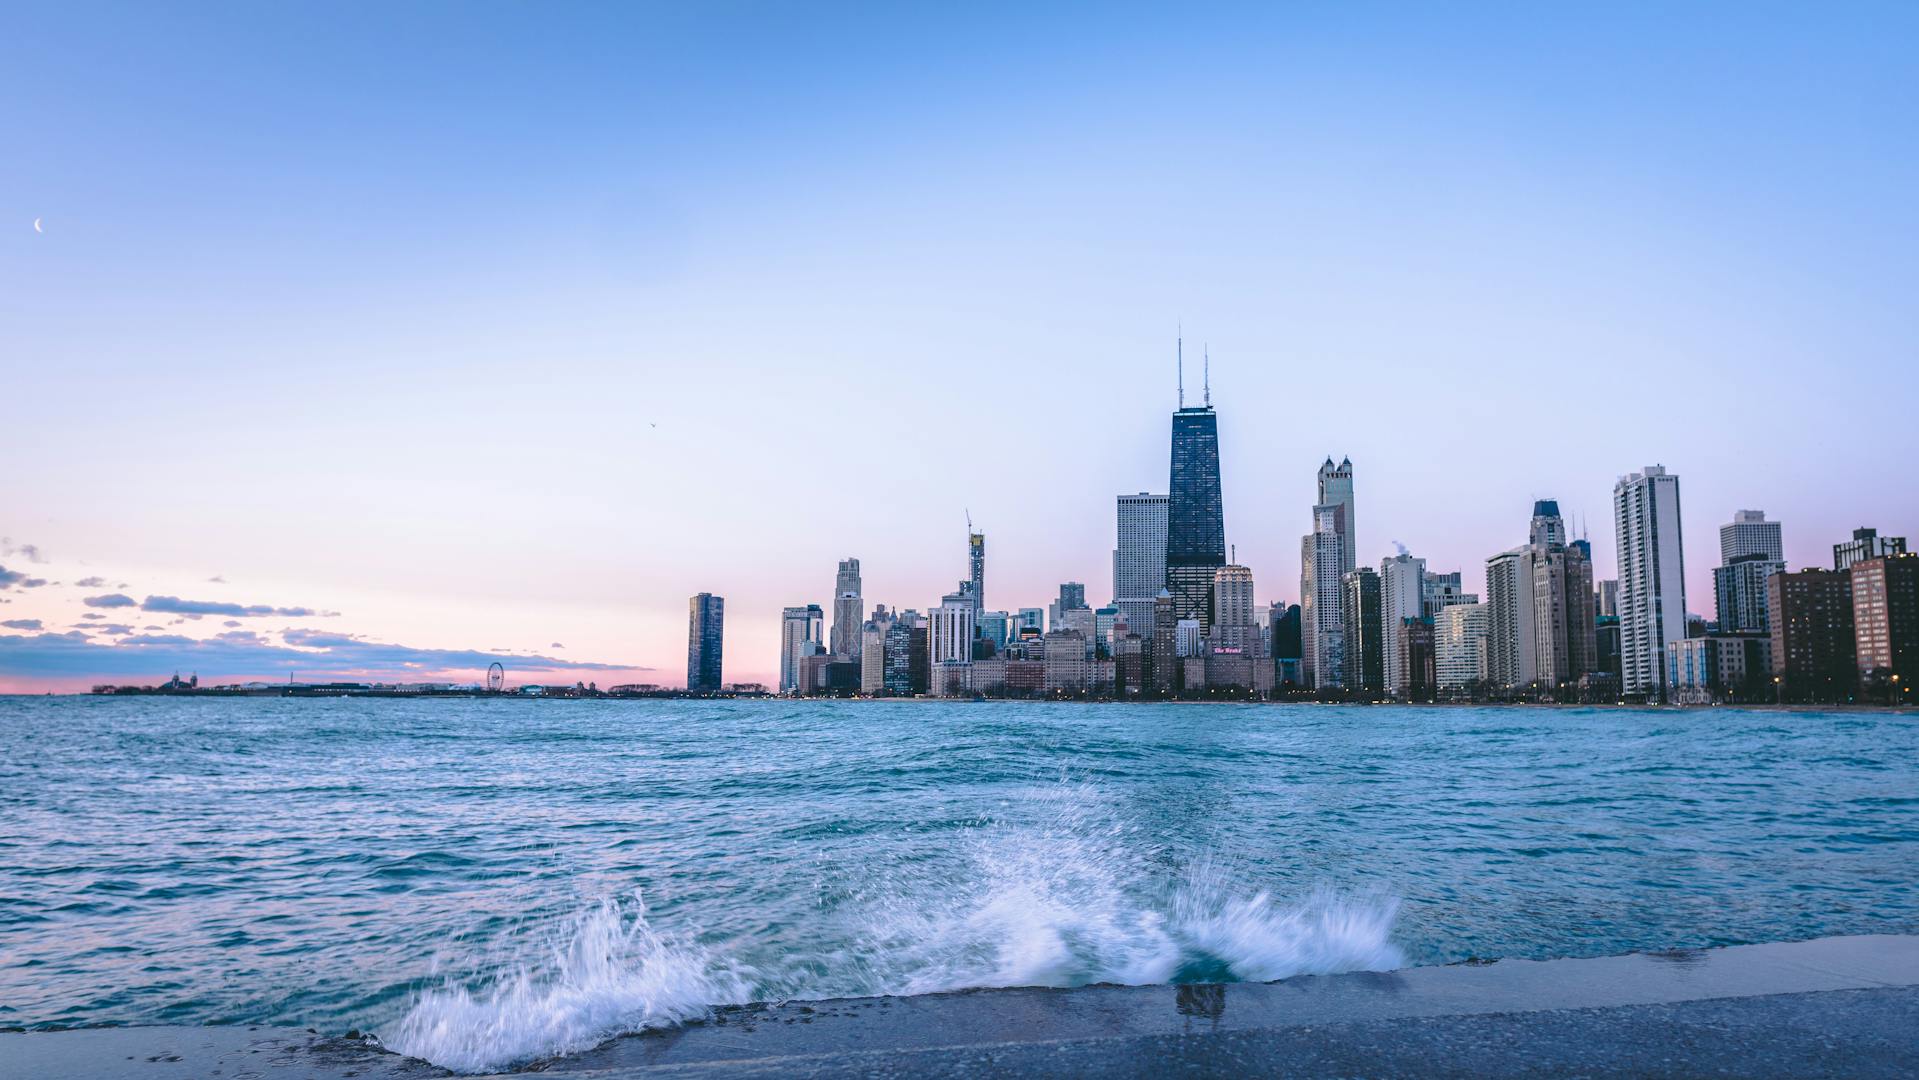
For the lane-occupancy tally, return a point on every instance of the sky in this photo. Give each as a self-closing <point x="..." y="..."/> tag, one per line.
<point x="391" y="340"/>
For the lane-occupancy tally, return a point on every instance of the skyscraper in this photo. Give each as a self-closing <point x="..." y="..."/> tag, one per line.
<point x="1235" y="621"/>
<point x="951" y="627"/>
<point x="873" y="651"/>
<point x="1865" y="544"/>
<point x="1459" y="646"/>
<point x="1749" y="533"/>
<point x="1402" y="596"/>
<point x="1326" y="556"/>
<point x="1364" y="654"/>
<point x="1510" y="657"/>
<point x="1565" y="645"/>
<point x="1322" y="553"/>
<point x="1606" y="598"/>
<point x="1163" y="668"/>
<point x="976" y="564"/>
<point x="1195" y="514"/>
<point x="799" y="627"/>
<point x="705" y="636"/>
<point x="1139" y="559"/>
<point x="1885" y="615"/>
<point x="1652" y="577"/>
<point x="1814" y="648"/>
<point x="846" y="611"/>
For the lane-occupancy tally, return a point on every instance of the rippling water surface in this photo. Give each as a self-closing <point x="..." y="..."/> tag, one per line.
<point x="484" y="882"/>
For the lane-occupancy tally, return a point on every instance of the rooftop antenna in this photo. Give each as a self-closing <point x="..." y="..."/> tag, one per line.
<point x="1180" y="351"/>
<point x="1206" y="372"/>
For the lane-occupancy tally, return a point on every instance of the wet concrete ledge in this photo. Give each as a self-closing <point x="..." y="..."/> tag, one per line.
<point x="1846" y="1006"/>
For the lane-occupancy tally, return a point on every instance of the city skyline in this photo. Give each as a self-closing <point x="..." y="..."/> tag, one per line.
<point x="513" y="391"/>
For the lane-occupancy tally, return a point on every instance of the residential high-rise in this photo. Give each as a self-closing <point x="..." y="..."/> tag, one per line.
<point x="1740" y="597"/>
<point x="1510" y="644"/>
<point x="1652" y="577"/>
<point x="1029" y="618"/>
<point x="1072" y="594"/>
<point x="1442" y="591"/>
<point x="1885" y="615"/>
<point x="1322" y="561"/>
<point x="873" y="634"/>
<point x="905" y="637"/>
<point x="799" y="628"/>
<point x="1418" y="662"/>
<point x="1814" y="650"/>
<point x="1402" y="596"/>
<point x="1364" y="655"/>
<point x="1195" y="514"/>
<point x="1235" y="619"/>
<point x="976" y="564"/>
<point x="1606" y="598"/>
<point x="1749" y="533"/>
<point x="705" y="637"/>
<point x="1284" y="644"/>
<point x="1565" y="645"/>
<point x="846" y="610"/>
<point x="1105" y="620"/>
<point x="1164" y="664"/>
<point x="950" y="629"/>
<point x="1459" y="646"/>
<point x="1865" y="544"/>
<point x="1139" y="558"/>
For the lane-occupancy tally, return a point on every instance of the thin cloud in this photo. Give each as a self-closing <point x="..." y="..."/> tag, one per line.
<point x="173" y="605"/>
<point x="216" y="580"/>
<point x="30" y="552"/>
<point x="91" y="583"/>
<point x="312" y="655"/>
<point x="23" y="624"/>
<point x="110" y="600"/>
<point x="16" y="578"/>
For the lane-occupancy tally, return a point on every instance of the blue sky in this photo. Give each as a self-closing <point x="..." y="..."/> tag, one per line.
<point x="493" y="326"/>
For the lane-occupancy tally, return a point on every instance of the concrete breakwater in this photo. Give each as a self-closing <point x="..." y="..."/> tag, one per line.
<point x="1833" y="1006"/>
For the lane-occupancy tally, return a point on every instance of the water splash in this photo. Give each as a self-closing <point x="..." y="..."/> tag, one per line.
<point x="610" y="973"/>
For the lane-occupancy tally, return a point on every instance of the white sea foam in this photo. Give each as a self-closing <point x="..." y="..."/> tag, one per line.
<point x="1061" y="891"/>
<point x="610" y="973"/>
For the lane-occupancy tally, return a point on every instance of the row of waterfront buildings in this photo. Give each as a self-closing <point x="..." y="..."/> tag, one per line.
<point x="1183" y="622"/>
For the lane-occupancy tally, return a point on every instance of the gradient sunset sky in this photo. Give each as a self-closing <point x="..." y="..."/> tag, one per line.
<point x="391" y="339"/>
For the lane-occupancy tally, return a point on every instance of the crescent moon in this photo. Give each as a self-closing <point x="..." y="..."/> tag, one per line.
<point x="36" y="226"/>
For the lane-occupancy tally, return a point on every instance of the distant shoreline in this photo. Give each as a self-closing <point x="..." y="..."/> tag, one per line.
<point x="568" y="695"/>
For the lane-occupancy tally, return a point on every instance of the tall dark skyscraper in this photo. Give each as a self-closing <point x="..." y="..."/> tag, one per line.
<point x="976" y="564"/>
<point x="1195" y="515"/>
<point x="705" y="630"/>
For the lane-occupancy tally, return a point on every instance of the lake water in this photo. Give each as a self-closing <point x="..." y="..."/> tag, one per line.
<point x="487" y="881"/>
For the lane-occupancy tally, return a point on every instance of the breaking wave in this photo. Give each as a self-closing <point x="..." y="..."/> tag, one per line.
<point x="612" y="973"/>
<point x="1069" y="894"/>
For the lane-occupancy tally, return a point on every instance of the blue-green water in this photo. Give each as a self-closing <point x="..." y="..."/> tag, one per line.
<point x="485" y="881"/>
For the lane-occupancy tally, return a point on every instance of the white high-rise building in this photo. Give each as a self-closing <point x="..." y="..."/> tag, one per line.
<point x="799" y="628"/>
<point x="1327" y="555"/>
<point x="949" y="629"/>
<point x="1402" y="596"/>
<point x="1459" y="645"/>
<point x="1322" y="554"/>
<point x="1652" y="577"/>
<point x="846" y="642"/>
<point x="1510" y="646"/>
<point x="873" y="651"/>
<point x="1139" y="559"/>
<point x="1749" y="533"/>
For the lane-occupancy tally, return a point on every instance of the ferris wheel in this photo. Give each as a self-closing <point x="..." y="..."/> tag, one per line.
<point x="495" y="677"/>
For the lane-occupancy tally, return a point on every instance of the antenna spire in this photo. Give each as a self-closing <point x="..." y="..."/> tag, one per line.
<point x="1179" y="347"/>
<point x="1207" y="373"/>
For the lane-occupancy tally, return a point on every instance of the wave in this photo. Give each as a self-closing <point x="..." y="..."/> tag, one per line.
<point x="612" y="973"/>
<point x="1064" y="893"/>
